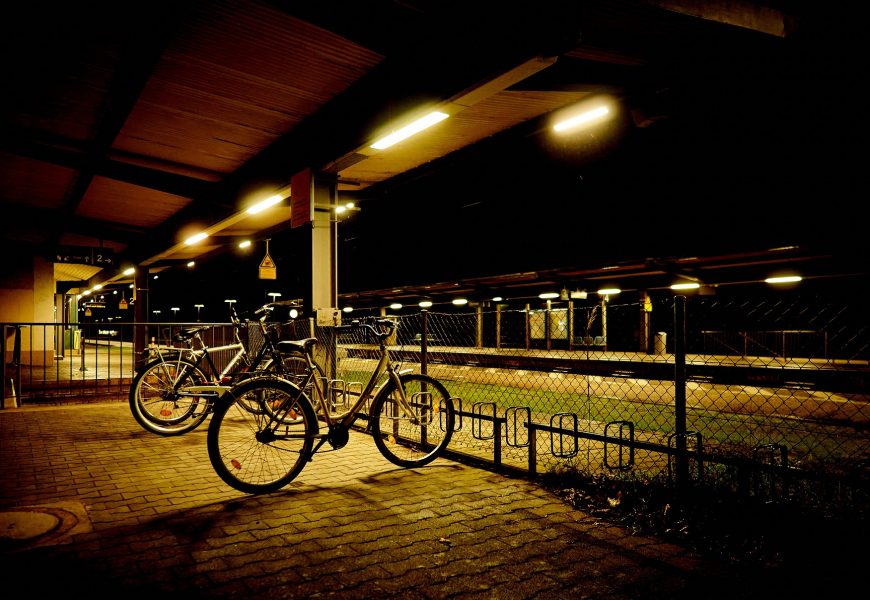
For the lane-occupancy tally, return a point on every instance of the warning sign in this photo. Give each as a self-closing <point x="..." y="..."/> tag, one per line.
<point x="268" y="270"/>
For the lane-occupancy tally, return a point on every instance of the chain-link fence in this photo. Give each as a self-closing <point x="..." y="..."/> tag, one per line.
<point x="768" y="404"/>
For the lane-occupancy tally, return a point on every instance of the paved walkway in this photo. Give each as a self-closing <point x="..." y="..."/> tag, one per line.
<point x="93" y="506"/>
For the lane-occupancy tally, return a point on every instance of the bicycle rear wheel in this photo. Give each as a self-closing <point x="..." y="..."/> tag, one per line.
<point x="412" y="441"/>
<point x="257" y="451"/>
<point x="157" y="401"/>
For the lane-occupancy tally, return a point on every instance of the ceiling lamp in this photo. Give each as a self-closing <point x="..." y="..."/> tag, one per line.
<point x="425" y="303"/>
<point x="548" y="295"/>
<point x="688" y="285"/>
<point x="460" y="301"/>
<point x="196" y="238"/>
<point x="264" y="204"/>
<point x="609" y="291"/>
<point x="581" y="119"/>
<point x="395" y="306"/>
<point x="409" y="130"/>
<point x="783" y="279"/>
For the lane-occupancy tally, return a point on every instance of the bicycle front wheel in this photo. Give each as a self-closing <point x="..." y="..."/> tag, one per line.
<point x="258" y="451"/>
<point x="158" y="401"/>
<point x="415" y="437"/>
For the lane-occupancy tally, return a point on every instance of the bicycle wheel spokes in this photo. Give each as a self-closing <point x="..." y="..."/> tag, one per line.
<point x="157" y="397"/>
<point x="253" y="452"/>
<point x="412" y="437"/>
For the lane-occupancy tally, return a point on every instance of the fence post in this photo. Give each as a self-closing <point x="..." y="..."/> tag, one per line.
<point x="424" y="342"/>
<point x="682" y="459"/>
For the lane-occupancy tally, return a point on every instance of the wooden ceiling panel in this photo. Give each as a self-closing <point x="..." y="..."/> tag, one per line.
<point x="109" y="199"/>
<point x="231" y="86"/>
<point x="33" y="182"/>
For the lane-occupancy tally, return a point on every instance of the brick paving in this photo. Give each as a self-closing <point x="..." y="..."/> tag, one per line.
<point x="146" y="516"/>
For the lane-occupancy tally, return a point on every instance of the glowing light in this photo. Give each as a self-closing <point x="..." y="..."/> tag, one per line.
<point x="409" y="130"/>
<point x="245" y="244"/>
<point x="686" y="286"/>
<point x="609" y="291"/>
<point x="194" y="239"/>
<point x="784" y="279"/>
<point x="460" y="301"/>
<point x="548" y="295"/>
<point x="425" y="304"/>
<point x="261" y="206"/>
<point x="581" y="119"/>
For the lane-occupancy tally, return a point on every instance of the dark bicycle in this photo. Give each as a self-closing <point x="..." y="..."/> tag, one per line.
<point x="159" y="397"/>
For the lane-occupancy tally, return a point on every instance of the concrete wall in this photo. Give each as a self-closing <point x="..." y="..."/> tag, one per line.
<point x="27" y="296"/>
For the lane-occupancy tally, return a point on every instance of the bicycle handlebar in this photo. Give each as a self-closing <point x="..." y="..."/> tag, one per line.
<point x="387" y="324"/>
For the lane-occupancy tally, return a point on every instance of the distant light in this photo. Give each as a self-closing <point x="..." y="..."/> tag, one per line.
<point x="294" y="313"/>
<point x="497" y="298"/>
<point x="347" y="309"/>
<point x="191" y="264"/>
<point x="686" y="286"/>
<point x="129" y="271"/>
<point x="395" y="306"/>
<point x="261" y="206"/>
<point x="582" y="118"/>
<point x="460" y="301"/>
<point x="157" y="277"/>
<point x="245" y="244"/>
<point x="340" y="209"/>
<point x="548" y="295"/>
<point x="230" y="301"/>
<point x="425" y="303"/>
<point x="86" y="293"/>
<point x="609" y="291"/>
<point x="784" y="279"/>
<point x="98" y="286"/>
<point x="409" y="130"/>
<point x="196" y="238"/>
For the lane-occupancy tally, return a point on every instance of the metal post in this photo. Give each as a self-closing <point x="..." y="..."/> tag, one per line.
<point x="424" y="343"/>
<point x="682" y="460"/>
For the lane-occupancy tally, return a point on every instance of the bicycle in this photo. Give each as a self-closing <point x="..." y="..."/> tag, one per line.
<point x="264" y="429"/>
<point x="159" y="397"/>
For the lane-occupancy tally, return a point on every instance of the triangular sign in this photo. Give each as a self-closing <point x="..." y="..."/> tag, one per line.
<point x="267" y="263"/>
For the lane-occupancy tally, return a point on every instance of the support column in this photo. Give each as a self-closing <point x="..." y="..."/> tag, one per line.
<point x="140" y="316"/>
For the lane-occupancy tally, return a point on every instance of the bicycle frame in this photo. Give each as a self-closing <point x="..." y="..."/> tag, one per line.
<point x="346" y="418"/>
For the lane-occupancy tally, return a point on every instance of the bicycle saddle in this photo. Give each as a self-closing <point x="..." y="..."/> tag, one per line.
<point x="188" y="332"/>
<point x="298" y="345"/>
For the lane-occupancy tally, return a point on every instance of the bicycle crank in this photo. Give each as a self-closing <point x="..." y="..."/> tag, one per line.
<point x="338" y="436"/>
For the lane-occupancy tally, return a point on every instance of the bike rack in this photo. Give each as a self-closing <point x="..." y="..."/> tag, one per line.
<point x="457" y="406"/>
<point x="561" y="452"/>
<point x="513" y="424"/>
<point x="622" y="425"/>
<point x="697" y="451"/>
<point x="771" y="482"/>
<point x="477" y="411"/>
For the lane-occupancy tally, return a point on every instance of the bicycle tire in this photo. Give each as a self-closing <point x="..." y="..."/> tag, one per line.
<point x="400" y="440"/>
<point x="245" y="453"/>
<point x="154" y="400"/>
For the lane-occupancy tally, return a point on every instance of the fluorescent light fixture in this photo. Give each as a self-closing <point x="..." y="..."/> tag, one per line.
<point x="425" y="304"/>
<point x="196" y="238"/>
<point x="460" y="301"/>
<point x="98" y="286"/>
<point x="395" y="306"/>
<point x="581" y="119"/>
<point x="548" y="295"/>
<point x="689" y="285"/>
<point x="497" y="298"/>
<point x="347" y="309"/>
<point x="784" y="279"/>
<point x="608" y="291"/>
<point x="263" y="205"/>
<point x="129" y="271"/>
<point x="191" y="264"/>
<point x="230" y="301"/>
<point x="409" y="130"/>
<point x="245" y="244"/>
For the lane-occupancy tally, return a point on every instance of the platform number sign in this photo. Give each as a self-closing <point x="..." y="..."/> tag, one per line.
<point x="85" y="255"/>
